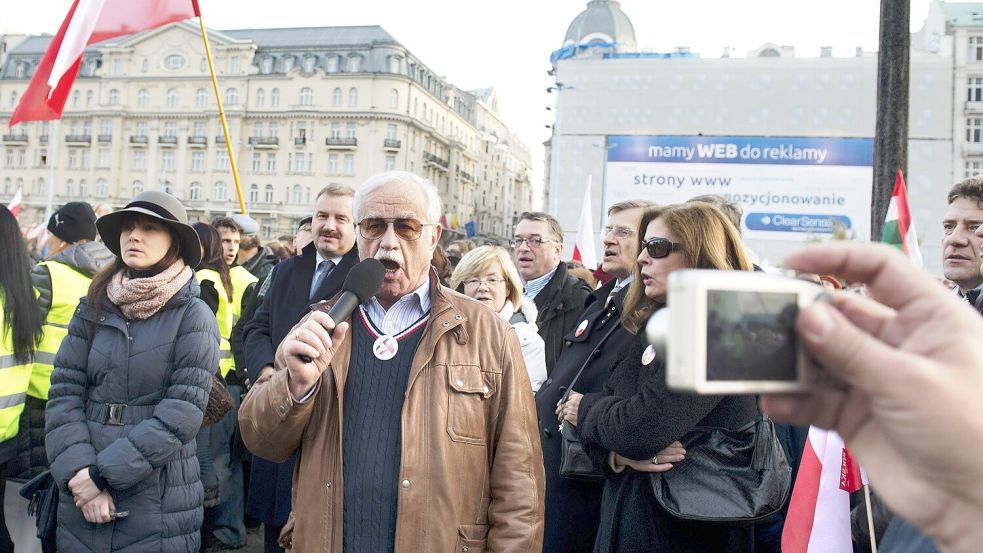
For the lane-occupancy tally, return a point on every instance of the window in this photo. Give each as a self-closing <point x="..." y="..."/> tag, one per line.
<point x="73" y="158"/>
<point x="42" y="157"/>
<point x="139" y="159"/>
<point x="199" y="129"/>
<point x="6" y="186"/>
<point x="83" y="188"/>
<point x="335" y="131"/>
<point x="974" y="130"/>
<point x="354" y="64"/>
<point x="309" y="62"/>
<point x="10" y="158"/>
<point x="141" y="128"/>
<point x="221" y="160"/>
<point x="20" y="71"/>
<point x="84" y="159"/>
<point x="973" y="168"/>
<point x="87" y="128"/>
<point x="170" y="129"/>
<point x="258" y="129"/>
<point x="203" y="66"/>
<point x="174" y="62"/>
<point x="269" y="194"/>
<point x="221" y="191"/>
<point x="298" y="194"/>
<point x="302" y="131"/>
<point x="201" y="98"/>
<point x="106" y="127"/>
<point x="260" y="97"/>
<point x="70" y="188"/>
<point x="336" y="99"/>
<point x="114" y="97"/>
<point x="975" y="89"/>
<point x="145" y="66"/>
<point x="271" y="162"/>
<point x="195" y="191"/>
<point x="266" y="66"/>
<point x="198" y="161"/>
<point x="39" y="186"/>
<point x="172" y="98"/>
<point x="89" y="98"/>
<point x="102" y="188"/>
<point x="390" y="163"/>
<point x="274" y="129"/>
<point x="353" y="97"/>
<point x="306" y="96"/>
<point x="332" y="164"/>
<point x="22" y="158"/>
<point x="137" y="187"/>
<point x="13" y="99"/>
<point x="231" y="97"/>
<point x="391" y="132"/>
<point x="168" y="160"/>
<point x="143" y="98"/>
<point x="333" y="64"/>
<point x="350" y="130"/>
<point x="349" y="164"/>
<point x="288" y="64"/>
<point x="298" y="164"/>
<point x="103" y="159"/>
<point x="256" y="162"/>
<point x="234" y="64"/>
<point x="275" y="97"/>
<point x="253" y="193"/>
<point x="117" y="67"/>
<point x="395" y="64"/>
<point x="394" y="98"/>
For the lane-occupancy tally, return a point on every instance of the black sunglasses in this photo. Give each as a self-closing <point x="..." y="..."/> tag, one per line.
<point x="657" y="248"/>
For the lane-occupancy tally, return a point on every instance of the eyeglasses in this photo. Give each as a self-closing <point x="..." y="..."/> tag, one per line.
<point x="657" y="248"/>
<point x="619" y="232"/>
<point x="533" y="243"/>
<point x="407" y="229"/>
<point x="489" y="282"/>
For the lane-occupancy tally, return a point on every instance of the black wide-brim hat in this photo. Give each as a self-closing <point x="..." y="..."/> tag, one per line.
<point x="161" y="206"/>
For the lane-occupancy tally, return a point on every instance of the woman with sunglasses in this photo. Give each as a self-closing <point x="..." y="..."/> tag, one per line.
<point x="632" y="425"/>
<point x="488" y="275"/>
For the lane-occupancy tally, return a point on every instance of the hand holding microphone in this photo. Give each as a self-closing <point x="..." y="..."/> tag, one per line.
<point x="309" y="347"/>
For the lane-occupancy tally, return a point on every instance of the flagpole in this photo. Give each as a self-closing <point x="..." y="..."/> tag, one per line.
<point x="870" y="519"/>
<point x="52" y="159"/>
<point x="221" y="110"/>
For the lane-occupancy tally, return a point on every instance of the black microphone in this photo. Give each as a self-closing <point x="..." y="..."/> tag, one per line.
<point x="362" y="282"/>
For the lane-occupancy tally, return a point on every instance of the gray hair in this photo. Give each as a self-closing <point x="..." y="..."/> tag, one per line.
<point x="434" y="205"/>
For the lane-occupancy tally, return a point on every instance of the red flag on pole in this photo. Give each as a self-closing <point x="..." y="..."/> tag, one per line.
<point x="88" y="22"/>
<point x="14" y="205"/>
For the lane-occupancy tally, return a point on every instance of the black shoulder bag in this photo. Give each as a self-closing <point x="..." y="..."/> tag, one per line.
<point x="574" y="461"/>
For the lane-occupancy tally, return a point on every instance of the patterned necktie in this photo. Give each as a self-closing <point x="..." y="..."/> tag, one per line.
<point x="322" y="270"/>
<point x="973" y="295"/>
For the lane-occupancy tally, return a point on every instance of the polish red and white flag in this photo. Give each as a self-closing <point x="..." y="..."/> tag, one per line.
<point x="583" y="247"/>
<point x="89" y="22"/>
<point x="818" y="518"/>
<point x="14" y="205"/>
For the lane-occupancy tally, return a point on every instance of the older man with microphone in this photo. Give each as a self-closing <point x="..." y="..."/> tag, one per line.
<point x="413" y="417"/>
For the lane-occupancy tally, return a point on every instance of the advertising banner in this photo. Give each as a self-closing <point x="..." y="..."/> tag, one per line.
<point x="789" y="187"/>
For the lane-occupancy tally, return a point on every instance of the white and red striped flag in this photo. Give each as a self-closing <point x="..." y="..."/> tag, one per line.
<point x="88" y="22"/>
<point x="899" y="228"/>
<point x="818" y="518"/>
<point x="583" y="246"/>
<point x="14" y="205"/>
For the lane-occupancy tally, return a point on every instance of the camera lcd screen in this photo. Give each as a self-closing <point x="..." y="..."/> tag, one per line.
<point x="751" y="335"/>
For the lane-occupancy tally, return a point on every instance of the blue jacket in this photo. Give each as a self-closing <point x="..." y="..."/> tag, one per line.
<point x="161" y="370"/>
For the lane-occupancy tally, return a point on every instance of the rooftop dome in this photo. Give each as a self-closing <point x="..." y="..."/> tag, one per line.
<point x="602" y="22"/>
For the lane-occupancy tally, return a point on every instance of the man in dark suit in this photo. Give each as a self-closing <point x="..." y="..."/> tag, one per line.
<point x="317" y="274"/>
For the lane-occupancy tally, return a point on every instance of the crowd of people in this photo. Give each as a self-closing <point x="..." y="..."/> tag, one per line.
<point x="181" y="382"/>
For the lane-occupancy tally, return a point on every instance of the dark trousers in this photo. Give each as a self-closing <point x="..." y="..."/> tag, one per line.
<point x="6" y="546"/>
<point x="270" y="536"/>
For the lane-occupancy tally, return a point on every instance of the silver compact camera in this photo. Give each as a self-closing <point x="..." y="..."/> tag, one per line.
<point x="733" y="332"/>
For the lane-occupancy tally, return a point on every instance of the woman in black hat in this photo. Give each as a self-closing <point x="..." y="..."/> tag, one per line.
<point x="130" y="384"/>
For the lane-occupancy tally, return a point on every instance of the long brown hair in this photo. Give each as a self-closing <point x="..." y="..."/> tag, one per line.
<point x="97" y="289"/>
<point x="709" y="241"/>
<point x="212" y="256"/>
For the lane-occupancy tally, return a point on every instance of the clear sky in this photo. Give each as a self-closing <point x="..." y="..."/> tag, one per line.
<point x="506" y="43"/>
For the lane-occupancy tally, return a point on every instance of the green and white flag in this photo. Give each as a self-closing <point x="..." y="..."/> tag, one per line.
<point x="899" y="229"/>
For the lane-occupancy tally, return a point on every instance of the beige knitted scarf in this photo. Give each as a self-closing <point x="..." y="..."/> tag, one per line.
<point x="140" y="298"/>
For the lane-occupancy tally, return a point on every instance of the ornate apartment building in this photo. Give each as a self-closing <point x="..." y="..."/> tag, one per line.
<point x="305" y="107"/>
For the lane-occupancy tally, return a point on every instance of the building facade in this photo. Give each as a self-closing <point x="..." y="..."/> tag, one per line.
<point x="305" y="107"/>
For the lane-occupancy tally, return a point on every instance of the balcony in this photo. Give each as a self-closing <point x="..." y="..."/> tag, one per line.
<point x="220" y="139"/>
<point x="974" y="108"/>
<point x="973" y="149"/>
<point x="168" y="141"/>
<point x="139" y="140"/>
<point x="391" y="145"/>
<point x="15" y="138"/>
<point x="197" y="141"/>
<point x="43" y="139"/>
<point x="341" y="143"/>
<point x="300" y="141"/>
<point x="105" y="138"/>
<point x="78" y="139"/>
<point x="264" y="141"/>
<point x="465" y="175"/>
<point x="435" y="161"/>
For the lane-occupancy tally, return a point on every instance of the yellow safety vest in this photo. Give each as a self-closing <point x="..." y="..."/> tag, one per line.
<point x="68" y="286"/>
<point x="241" y="279"/>
<point x="14" y="378"/>
<point x="224" y="316"/>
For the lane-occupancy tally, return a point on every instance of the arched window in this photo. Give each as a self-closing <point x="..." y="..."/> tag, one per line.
<point x="201" y="98"/>
<point x="102" y="188"/>
<point x="354" y="64"/>
<point x="395" y="64"/>
<point x="89" y="98"/>
<point x="309" y="62"/>
<point x="336" y="100"/>
<point x="253" y="193"/>
<point x="137" y="187"/>
<point x="143" y="98"/>
<point x="260" y="97"/>
<point x="195" y="191"/>
<point x="76" y="99"/>
<point x="266" y="66"/>
<point x="353" y="97"/>
<point x="70" y="188"/>
<point x="221" y="190"/>
<point x="394" y="98"/>
<point x="20" y="71"/>
<point x="288" y="63"/>
<point x="114" y="97"/>
<point x="306" y="96"/>
<point x="269" y="193"/>
<point x="171" y="98"/>
<point x="83" y="188"/>
<point x="145" y="66"/>
<point x="332" y="64"/>
<point x="231" y="97"/>
<point x="298" y="194"/>
<point x="275" y="97"/>
<point x="174" y="61"/>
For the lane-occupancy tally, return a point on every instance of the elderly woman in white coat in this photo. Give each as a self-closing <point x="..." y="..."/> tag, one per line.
<point x="488" y="275"/>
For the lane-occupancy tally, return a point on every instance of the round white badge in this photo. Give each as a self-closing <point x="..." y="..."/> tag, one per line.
<point x="648" y="355"/>
<point x="385" y="347"/>
<point x="581" y="328"/>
